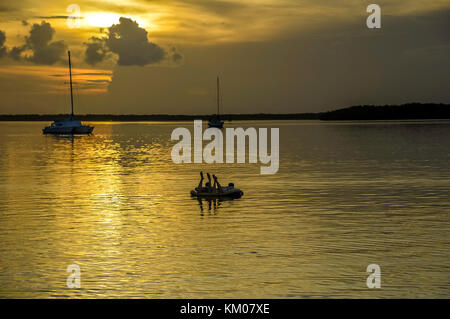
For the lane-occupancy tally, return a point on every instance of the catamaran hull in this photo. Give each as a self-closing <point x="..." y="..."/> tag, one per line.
<point x="83" y="130"/>
<point x="68" y="130"/>
<point x="216" y="124"/>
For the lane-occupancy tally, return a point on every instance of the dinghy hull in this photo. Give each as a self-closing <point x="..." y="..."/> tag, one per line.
<point x="232" y="193"/>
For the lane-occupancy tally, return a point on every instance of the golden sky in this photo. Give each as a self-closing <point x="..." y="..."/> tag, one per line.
<point x="272" y="55"/>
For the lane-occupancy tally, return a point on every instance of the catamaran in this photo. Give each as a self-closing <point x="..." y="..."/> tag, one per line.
<point x="68" y="125"/>
<point x="215" y="121"/>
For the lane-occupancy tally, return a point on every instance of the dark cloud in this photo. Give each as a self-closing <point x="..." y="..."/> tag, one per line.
<point x="2" y="38"/>
<point x="175" y="55"/>
<point x="2" y="43"/>
<point x="129" y="42"/>
<point x="53" y="17"/>
<point x="83" y="73"/>
<point x="16" y="53"/>
<point x="95" y="51"/>
<point x="43" y="51"/>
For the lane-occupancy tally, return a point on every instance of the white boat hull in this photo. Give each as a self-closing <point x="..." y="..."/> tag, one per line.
<point x="68" y="126"/>
<point x="216" y="124"/>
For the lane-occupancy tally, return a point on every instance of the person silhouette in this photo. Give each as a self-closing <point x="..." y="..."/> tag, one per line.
<point x="217" y="186"/>
<point x="208" y="184"/>
<point x="200" y="185"/>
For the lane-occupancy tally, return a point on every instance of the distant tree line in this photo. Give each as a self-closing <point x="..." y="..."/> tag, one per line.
<point x="360" y="112"/>
<point x="157" y="117"/>
<point x="390" y="112"/>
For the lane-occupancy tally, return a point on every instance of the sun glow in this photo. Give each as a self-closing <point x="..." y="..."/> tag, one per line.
<point x="101" y="20"/>
<point x="105" y="20"/>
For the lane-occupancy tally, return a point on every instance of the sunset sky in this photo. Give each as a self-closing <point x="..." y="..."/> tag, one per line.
<point x="273" y="56"/>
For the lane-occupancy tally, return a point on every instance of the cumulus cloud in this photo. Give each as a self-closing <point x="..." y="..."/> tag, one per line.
<point x="95" y="51"/>
<point x="130" y="43"/>
<point x="43" y="51"/>
<point x="16" y="53"/>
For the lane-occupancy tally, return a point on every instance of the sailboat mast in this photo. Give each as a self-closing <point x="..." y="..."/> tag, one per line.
<point x="70" y="75"/>
<point x="218" y="96"/>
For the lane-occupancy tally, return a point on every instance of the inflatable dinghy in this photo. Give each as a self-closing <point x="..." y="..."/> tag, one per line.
<point x="226" y="192"/>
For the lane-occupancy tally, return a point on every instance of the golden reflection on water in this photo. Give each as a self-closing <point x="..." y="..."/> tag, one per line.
<point x="116" y="205"/>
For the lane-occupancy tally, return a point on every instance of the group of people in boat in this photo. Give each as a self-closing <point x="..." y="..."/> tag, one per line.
<point x="208" y="188"/>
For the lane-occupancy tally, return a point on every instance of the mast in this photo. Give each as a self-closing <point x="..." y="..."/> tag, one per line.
<point x="71" y="94"/>
<point x="218" y="96"/>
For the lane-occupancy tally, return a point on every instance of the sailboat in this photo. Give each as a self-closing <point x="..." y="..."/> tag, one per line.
<point x="215" y="121"/>
<point x="68" y="125"/>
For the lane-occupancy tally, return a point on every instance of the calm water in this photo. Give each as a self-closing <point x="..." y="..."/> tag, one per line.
<point x="347" y="195"/>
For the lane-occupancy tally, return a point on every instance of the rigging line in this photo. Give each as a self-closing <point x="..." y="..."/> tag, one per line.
<point x="61" y="97"/>
<point x="67" y="98"/>
<point x="78" y="97"/>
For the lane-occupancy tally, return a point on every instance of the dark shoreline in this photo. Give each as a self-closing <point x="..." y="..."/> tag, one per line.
<point x="156" y="117"/>
<point x="411" y="111"/>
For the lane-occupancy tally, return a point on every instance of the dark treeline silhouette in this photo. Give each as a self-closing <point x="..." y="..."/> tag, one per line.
<point x="157" y="117"/>
<point x="390" y="112"/>
<point x="363" y="112"/>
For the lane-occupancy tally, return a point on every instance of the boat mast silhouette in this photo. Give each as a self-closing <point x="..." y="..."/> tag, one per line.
<point x="71" y="93"/>
<point x="215" y="121"/>
<point x="68" y="125"/>
<point x="218" y="98"/>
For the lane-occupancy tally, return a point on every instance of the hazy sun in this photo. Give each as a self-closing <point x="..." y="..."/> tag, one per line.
<point x="105" y="20"/>
<point x="102" y="20"/>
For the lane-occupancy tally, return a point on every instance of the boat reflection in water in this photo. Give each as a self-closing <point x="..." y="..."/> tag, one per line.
<point x="68" y="125"/>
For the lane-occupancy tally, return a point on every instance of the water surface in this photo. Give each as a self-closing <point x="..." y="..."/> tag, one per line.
<point x="347" y="195"/>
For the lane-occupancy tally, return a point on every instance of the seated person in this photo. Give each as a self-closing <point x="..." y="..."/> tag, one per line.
<point x="200" y="185"/>
<point x="207" y="188"/>
<point x="217" y="186"/>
